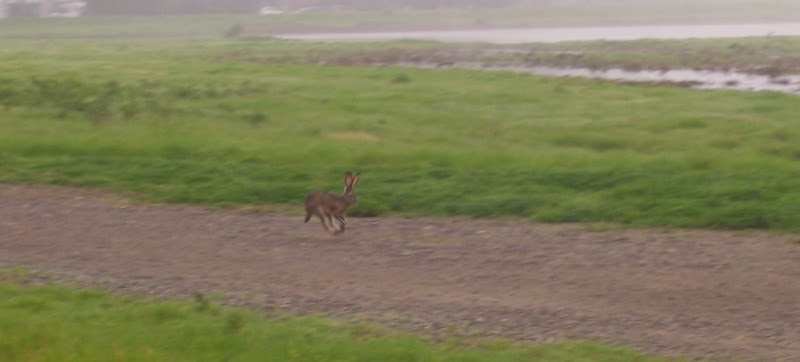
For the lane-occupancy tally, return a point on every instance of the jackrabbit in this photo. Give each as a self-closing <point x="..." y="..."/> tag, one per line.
<point x="327" y="206"/>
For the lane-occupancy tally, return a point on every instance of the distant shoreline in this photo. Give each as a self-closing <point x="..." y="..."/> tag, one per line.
<point x="560" y="34"/>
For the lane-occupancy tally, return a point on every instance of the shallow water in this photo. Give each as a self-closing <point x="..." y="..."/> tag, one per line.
<point x="697" y="79"/>
<point x="550" y="35"/>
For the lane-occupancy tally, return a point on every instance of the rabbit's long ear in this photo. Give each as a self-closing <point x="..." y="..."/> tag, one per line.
<point x="355" y="179"/>
<point x="348" y="179"/>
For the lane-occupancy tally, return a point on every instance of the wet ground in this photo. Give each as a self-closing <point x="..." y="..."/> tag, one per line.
<point x="696" y="293"/>
<point x="688" y="78"/>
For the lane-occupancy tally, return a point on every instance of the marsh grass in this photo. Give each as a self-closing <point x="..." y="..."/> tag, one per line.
<point x="56" y="323"/>
<point x="176" y="121"/>
<point x="766" y="55"/>
<point x="773" y="56"/>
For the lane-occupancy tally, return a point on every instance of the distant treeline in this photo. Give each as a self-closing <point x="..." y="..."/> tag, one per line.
<point x="151" y="7"/>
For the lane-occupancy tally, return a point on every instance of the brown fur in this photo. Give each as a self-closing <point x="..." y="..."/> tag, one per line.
<point x="327" y="206"/>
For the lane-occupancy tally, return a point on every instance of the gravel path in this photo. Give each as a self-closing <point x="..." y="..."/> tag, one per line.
<point x="696" y="293"/>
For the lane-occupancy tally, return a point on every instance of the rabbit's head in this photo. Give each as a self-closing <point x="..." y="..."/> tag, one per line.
<point x="350" y="181"/>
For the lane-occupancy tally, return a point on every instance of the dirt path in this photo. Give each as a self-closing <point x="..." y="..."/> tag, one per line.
<point x="676" y="292"/>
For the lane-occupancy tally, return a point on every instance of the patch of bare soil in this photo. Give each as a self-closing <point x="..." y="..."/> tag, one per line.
<point x="702" y="294"/>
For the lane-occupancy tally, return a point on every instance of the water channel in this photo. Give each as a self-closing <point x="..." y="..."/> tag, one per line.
<point x="689" y="78"/>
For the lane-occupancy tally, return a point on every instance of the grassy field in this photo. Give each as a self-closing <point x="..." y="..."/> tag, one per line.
<point x="235" y="132"/>
<point x="254" y="122"/>
<point x="198" y="121"/>
<point x="578" y="14"/>
<point x="55" y="323"/>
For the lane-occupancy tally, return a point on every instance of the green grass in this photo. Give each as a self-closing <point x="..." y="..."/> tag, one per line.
<point x="203" y="121"/>
<point x="56" y="323"/>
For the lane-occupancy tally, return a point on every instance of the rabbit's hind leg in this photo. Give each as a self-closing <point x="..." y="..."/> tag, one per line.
<point x="324" y="218"/>
<point x="342" y="222"/>
<point x="329" y="225"/>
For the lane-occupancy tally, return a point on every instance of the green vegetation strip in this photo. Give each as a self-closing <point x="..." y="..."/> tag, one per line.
<point x="199" y="121"/>
<point x="57" y="323"/>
